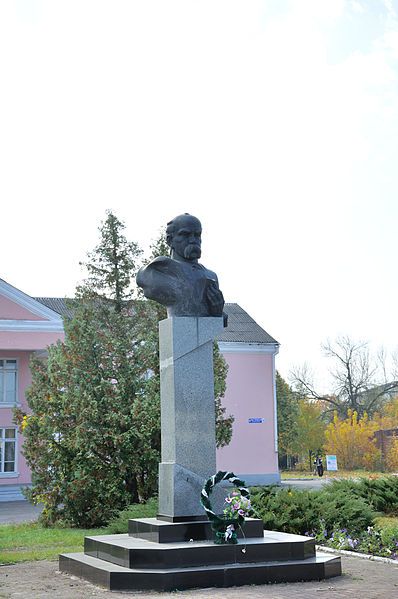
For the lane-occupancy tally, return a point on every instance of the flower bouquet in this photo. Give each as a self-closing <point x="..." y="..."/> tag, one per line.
<point x="237" y="508"/>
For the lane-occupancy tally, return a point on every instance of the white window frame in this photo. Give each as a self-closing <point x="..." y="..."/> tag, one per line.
<point x="14" y="473"/>
<point x="15" y="403"/>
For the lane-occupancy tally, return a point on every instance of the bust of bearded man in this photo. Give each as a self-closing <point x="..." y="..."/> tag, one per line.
<point x="179" y="282"/>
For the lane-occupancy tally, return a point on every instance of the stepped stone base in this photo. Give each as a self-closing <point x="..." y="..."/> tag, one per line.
<point x="161" y="531"/>
<point x="118" y="578"/>
<point x="162" y="556"/>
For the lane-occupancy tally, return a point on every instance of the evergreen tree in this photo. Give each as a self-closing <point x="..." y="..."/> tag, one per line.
<point x="93" y="439"/>
<point x="223" y="423"/>
<point x="112" y="264"/>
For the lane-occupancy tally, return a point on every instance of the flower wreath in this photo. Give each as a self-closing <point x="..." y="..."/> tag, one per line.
<point x="220" y="523"/>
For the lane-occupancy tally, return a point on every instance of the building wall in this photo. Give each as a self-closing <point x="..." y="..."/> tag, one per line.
<point x="22" y="476"/>
<point x="9" y="310"/>
<point x="29" y="341"/>
<point x="10" y="483"/>
<point x="26" y="326"/>
<point x="252" y="453"/>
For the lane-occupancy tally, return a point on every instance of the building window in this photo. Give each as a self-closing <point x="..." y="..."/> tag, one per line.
<point x="8" y="440"/>
<point x="8" y="381"/>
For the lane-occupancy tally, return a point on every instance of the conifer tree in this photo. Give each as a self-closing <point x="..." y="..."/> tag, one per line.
<point x="92" y="440"/>
<point x="112" y="264"/>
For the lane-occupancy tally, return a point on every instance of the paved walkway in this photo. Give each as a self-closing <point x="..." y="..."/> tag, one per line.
<point x="18" y="511"/>
<point x="362" y="579"/>
<point x="305" y="483"/>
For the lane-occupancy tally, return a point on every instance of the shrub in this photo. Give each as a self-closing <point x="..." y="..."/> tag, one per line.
<point x="286" y="510"/>
<point x="380" y="493"/>
<point x="344" y="511"/>
<point x="119" y="524"/>
<point x="311" y="512"/>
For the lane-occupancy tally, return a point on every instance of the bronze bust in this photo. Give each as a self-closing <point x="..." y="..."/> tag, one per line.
<point x="179" y="282"/>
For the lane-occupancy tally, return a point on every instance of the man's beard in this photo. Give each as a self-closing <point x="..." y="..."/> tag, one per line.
<point x="192" y="252"/>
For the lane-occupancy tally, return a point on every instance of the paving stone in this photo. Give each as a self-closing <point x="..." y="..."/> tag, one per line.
<point x="362" y="579"/>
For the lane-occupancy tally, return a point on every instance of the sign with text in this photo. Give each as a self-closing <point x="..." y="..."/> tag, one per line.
<point x="256" y="420"/>
<point x="331" y="462"/>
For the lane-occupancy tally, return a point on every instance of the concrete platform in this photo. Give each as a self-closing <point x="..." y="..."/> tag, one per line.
<point x="139" y="553"/>
<point x="118" y="578"/>
<point x="126" y="562"/>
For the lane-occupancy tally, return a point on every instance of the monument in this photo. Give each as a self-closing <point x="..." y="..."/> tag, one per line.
<point x="176" y="550"/>
<point x="195" y="307"/>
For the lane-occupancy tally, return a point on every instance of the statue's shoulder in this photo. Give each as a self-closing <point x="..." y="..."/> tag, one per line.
<point x="159" y="262"/>
<point x="211" y="275"/>
<point x="162" y="265"/>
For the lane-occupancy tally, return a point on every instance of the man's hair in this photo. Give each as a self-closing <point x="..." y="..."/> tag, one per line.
<point x="170" y="228"/>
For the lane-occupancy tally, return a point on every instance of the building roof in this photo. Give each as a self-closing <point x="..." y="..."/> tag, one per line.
<point x="241" y="328"/>
<point x="58" y="304"/>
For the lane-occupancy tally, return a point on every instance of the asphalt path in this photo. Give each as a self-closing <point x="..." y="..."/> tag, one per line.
<point x="18" y="511"/>
<point x="305" y="483"/>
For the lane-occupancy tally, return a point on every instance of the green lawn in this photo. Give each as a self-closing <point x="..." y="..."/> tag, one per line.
<point x="289" y="474"/>
<point x="30" y="541"/>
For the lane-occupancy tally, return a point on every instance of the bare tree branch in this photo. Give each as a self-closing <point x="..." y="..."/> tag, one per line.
<point x="360" y="380"/>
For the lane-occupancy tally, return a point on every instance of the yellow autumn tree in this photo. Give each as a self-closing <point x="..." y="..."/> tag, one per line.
<point x="388" y="417"/>
<point x="310" y="429"/>
<point x="352" y="441"/>
<point x="387" y="420"/>
<point x="392" y="456"/>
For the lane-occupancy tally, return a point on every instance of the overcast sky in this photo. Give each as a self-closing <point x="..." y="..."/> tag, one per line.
<point x="275" y="122"/>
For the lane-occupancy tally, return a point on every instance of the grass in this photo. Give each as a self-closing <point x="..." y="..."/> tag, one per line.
<point x="387" y="522"/>
<point x="306" y="474"/>
<point x="30" y="541"/>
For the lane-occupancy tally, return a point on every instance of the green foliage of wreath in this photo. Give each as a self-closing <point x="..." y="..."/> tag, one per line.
<point x="220" y="522"/>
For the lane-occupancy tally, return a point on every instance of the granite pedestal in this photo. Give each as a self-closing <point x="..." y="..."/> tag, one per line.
<point x="164" y="556"/>
<point x="188" y="450"/>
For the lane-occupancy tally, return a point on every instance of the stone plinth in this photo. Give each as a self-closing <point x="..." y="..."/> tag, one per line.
<point x="159" y="531"/>
<point x="129" y="563"/>
<point x="187" y="413"/>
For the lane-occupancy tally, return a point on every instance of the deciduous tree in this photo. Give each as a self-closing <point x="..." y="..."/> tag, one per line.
<point x="352" y="440"/>
<point x="287" y="407"/>
<point x="310" y="434"/>
<point x="361" y="382"/>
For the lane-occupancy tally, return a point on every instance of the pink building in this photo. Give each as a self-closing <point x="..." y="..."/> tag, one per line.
<point x="28" y="325"/>
<point x="251" y="397"/>
<point x="26" y="328"/>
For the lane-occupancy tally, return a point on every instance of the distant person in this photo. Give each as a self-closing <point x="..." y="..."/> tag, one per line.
<point x="318" y="466"/>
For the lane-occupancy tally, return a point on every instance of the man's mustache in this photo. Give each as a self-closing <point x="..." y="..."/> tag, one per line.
<point x="193" y="249"/>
